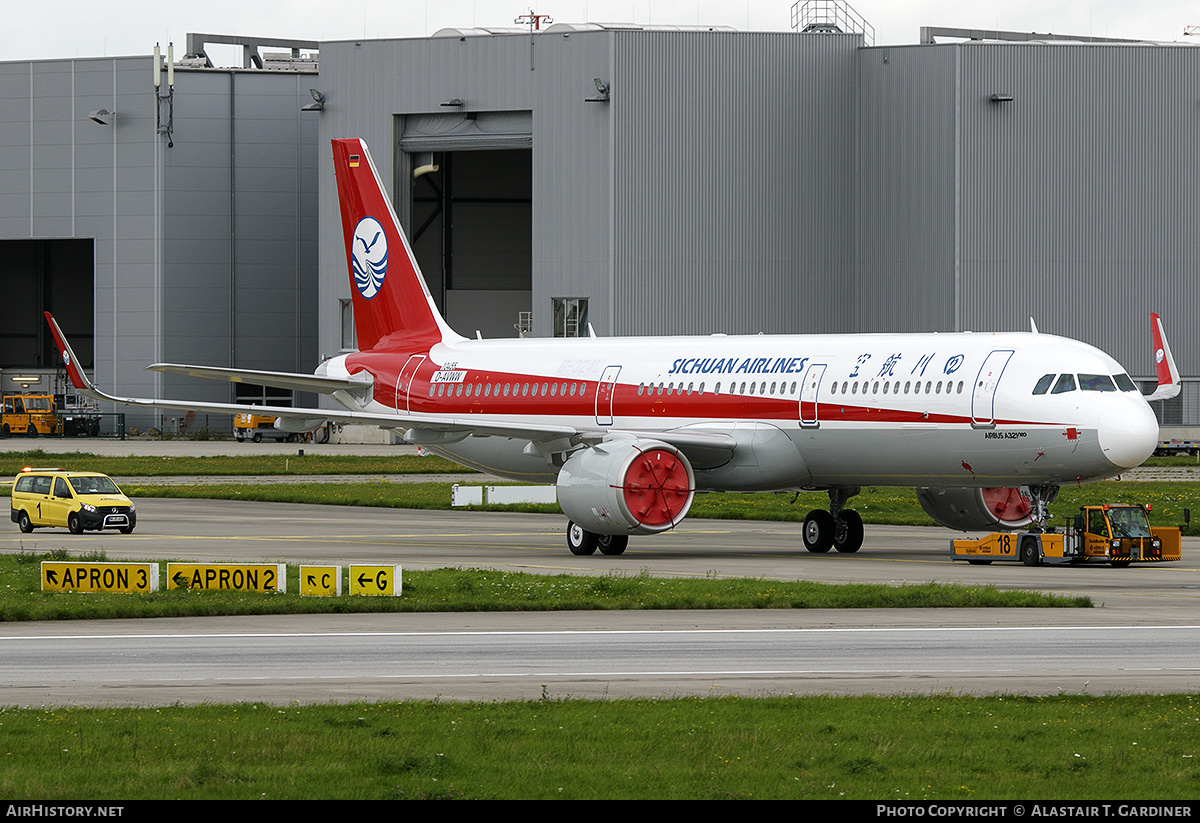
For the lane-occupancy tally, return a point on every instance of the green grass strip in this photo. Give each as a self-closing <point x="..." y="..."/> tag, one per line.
<point x="486" y="590"/>
<point x="912" y="750"/>
<point x="247" y="464"/>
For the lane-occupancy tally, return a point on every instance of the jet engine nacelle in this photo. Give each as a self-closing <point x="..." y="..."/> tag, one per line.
<point x="970" y="509"/>
<point x="298" y="424"/>
<point x="626" y="486"/>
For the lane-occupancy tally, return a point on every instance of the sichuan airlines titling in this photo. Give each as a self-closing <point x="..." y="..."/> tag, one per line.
<point x="986" y="427"/>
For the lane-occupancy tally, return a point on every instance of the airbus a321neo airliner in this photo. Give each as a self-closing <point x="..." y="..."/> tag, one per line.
<point x="986" y="427"/>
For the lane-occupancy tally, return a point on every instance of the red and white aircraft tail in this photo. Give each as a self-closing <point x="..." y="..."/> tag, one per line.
<point x="392" y="304"/>
<point x="985" y="426"/>
<point x="1170" y="383"/>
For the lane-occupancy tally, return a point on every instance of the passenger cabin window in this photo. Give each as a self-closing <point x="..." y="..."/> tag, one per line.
<point x="1043" y="385"/>
<point x="1096" y="382"/>
<point x="1066" y="383"/>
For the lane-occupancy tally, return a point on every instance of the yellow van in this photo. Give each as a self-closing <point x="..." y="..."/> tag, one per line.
<point x="79" y="501"/>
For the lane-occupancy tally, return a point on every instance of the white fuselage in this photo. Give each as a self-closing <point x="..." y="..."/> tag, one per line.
<point x="806" y="410"/>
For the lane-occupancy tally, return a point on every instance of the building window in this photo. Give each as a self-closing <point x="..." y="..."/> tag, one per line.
<point x="570" y="316"/>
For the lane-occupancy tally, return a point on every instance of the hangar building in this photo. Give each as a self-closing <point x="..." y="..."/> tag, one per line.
<point x="704" y="181"/>
<point x="642" y="181"/>
<point x="168" y="224"/>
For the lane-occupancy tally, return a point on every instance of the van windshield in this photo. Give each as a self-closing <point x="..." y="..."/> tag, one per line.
<point x="94" y="485"/>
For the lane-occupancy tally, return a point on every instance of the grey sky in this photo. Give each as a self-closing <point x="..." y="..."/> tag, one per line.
<point x="88" y="28"/>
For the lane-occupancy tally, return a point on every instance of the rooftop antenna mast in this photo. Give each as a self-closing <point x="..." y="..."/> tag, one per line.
<point x="534" y="21"/>
<point x="167" y="128"/>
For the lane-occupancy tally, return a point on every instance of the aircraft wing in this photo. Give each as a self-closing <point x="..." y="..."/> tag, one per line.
<point x="417" y="428"/>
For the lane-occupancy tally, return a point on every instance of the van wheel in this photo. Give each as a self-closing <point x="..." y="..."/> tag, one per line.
<point x="73" y="523"/>
<point x="24" y="523"/>
<point x="125" y="529"/>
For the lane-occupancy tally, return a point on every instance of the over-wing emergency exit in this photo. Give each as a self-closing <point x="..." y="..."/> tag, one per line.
<point x="986" y="427"/>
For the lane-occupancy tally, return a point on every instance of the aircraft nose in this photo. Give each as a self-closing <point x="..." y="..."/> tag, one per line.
<point x="1127" y="439"/>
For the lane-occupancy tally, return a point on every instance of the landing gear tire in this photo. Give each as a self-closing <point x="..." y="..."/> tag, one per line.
<point x="818" y="531"/>
<point x="612" y="544"/>
<point x="848" y="536"/>
<point x="1029" y="552"/>
<point x="580" y="541"/>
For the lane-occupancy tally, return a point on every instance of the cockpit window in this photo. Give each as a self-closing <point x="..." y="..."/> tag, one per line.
<point x="1066" y="383"/>
<point x="1124" y="383"/>
<point x="1096" y="382"/>
<point x="1043" y="385"/>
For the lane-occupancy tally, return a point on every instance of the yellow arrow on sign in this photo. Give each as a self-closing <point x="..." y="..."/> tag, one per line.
<point x="246" y="577"/>
<point x="58" y="576"/>
<point x="321" y="581"/>
<point x="375" y="580"/>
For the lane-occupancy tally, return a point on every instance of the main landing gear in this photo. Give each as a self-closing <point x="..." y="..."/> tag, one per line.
<point x="839" y="528"/>
<point x="582" y="542"/>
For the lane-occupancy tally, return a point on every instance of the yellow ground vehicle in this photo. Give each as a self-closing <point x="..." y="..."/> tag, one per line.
<point x="258" y="426"/>
<point x="1114" y="534"/>
<point x="31" y="414"/>
<point x="78" y="501"/>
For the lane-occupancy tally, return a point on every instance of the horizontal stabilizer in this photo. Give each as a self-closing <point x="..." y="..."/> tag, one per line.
<point x="320" y="384"/>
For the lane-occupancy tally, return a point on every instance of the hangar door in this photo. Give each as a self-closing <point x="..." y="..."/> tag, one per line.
<point x="45" y="275"/>
<point x="470" y="183"/>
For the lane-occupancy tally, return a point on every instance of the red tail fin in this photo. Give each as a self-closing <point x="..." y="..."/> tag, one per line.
<point x="1169" y="381"/>
<point x="392" y="304"/>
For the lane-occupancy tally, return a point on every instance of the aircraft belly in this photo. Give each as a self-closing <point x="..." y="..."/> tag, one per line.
<point x="764" y="459"/>
<point x="950" y="456"/>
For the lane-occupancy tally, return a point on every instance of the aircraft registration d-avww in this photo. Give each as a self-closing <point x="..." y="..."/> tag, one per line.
<point x="986" y="427"/>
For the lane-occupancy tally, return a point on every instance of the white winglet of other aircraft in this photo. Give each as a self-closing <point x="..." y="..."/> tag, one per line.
<point x="986" y="427"/>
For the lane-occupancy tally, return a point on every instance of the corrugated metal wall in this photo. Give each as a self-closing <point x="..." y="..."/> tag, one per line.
<point x="1074" y="203"/>
<point x="204" y="252"/>
<point x="734" y="156"/>
<point x="905" y="251"/>
<point x="239" y="225"/>
<point x="709" y="194"/>
<point x="63" y="176"/>
<point x="1081" y="196"/>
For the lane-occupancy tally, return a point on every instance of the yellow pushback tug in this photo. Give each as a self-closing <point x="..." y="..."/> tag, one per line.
<point x="1118" y="535"/>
